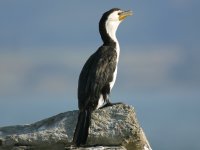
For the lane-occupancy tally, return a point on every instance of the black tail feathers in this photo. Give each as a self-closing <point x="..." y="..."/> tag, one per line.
<point x="81" y="131"/>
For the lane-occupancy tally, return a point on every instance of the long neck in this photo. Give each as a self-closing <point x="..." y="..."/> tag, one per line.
<point x="108" y="35"/>
<point x="111" y="29"/>
<point x="108" y="32"/>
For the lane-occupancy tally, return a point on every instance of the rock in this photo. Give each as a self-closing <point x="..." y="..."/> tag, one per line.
<point x="113" y="128"/>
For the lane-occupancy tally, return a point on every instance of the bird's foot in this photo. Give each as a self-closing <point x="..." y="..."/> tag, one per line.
<point x="110" y="104"/>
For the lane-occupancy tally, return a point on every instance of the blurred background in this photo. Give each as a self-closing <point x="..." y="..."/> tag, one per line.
<point x="44" y="44"/>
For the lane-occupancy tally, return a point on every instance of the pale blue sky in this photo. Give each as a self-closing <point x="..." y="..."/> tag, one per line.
<point x="44" y="44"/>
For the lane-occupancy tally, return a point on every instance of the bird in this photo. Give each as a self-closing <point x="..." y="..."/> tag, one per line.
<point x="98" y="74"/>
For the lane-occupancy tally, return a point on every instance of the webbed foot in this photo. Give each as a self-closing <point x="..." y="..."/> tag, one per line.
<point x="110" y="104"/>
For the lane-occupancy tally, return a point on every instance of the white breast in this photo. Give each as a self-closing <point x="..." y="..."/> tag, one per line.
<point x="115" y="72"/>
<point x="111" y="28"/>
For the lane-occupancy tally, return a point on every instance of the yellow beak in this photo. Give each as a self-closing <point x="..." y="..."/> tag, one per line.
<point x="125" y="14"/>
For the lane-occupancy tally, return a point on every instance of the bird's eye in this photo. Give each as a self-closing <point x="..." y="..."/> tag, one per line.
<point x="119" y="13"/>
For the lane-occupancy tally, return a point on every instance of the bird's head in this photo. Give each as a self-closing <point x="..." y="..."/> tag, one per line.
<point x="117" y="15"/>
<point x="110" y="21"/>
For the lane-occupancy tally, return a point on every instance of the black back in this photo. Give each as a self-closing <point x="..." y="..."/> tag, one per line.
<point x="95" y="77"/>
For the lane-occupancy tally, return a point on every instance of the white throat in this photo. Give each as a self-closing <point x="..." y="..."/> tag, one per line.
<point x="111" y="28"/>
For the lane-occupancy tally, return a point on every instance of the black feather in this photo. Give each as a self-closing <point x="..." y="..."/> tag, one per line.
<point x="82" y="126"/>
<point x="95" y="77"/>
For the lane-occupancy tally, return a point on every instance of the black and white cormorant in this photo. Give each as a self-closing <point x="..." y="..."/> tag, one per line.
<point x="99" y="73"/>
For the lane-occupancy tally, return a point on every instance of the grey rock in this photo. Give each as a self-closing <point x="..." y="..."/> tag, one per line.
<point x="100" y="148"/>
<point x="113" y="128"/>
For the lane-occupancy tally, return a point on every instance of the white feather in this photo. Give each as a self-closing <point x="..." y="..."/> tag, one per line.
<point x="101" y="102"/>
<point x="111" y="27"/>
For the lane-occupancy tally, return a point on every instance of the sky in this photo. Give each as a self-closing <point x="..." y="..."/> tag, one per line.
<point x="44" y="44"/>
